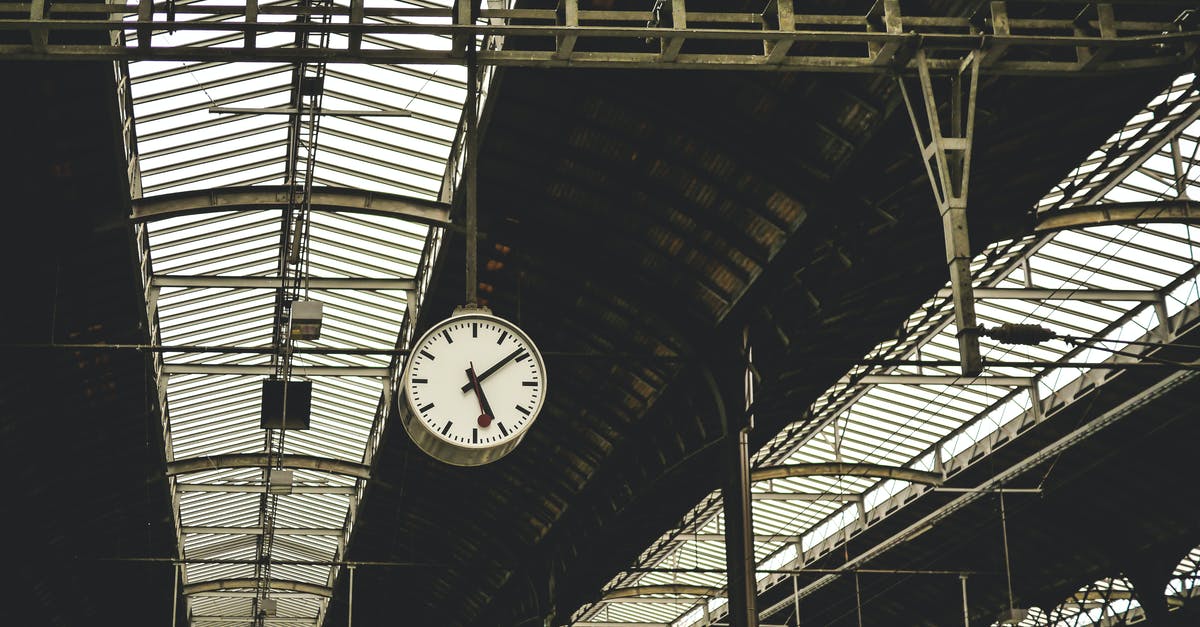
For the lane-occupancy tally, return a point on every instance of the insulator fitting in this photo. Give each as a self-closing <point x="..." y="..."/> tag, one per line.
<point x="1013" y="333"/>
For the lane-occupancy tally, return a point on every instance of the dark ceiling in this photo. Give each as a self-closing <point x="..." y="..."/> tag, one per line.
<point x="635" y="224"/>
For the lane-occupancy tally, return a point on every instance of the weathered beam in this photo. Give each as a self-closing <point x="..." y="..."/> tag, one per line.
<point x="263" y="460"/>
<point x="260" y="489"/>
<point x="258" y="531"/>
<point x="1119" y="213"/>
<point x="806" y="496"/>
<point x="341" y="113"/>
<point x="267" y="370"/>
<point x="827" y="469"/>
<point x="676" y="588"/>
<point x="933" y="379"/>
<point x="271" y="283"/>
<point x="720" y="537"/>
<point x="1022" y="293"/>
<point x="276" y="197"/>
<point x="273" y="584"/>
<point x="266" y="620"/>
<point x="1144" y="44"/>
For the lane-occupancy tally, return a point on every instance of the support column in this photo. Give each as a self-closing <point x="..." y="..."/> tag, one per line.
<point x="739" y="538"/>
<point x="739" y="524"/>
<point x="946" y="152"/>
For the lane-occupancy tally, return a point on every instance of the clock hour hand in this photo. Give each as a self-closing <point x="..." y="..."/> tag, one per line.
<point x="490" y="371"/>
<point x="485" y="417"/>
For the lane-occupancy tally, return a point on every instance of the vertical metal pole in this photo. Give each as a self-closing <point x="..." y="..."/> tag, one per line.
<point x="858" y="598"/>
<point x="471" y="149"/>
<point x="175" y="596"/>
<point x="739" y="538"/>
<point x="350" y="610"/>
<point x="739" y="524"/>
<point x="1004" y="534"/>
<point x="966" y="612"/>
<point x="796" y="599"/>
<point x="1180" y="173"/>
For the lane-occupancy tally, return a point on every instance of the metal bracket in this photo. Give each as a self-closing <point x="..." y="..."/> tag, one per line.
<point x="945" y="147"/>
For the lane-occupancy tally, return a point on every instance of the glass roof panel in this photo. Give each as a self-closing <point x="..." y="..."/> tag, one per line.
<point x="218" y="338"/>
<point x="909" y="425"/>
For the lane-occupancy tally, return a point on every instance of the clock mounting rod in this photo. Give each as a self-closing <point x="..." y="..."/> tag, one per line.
<point x="471" y="147"/>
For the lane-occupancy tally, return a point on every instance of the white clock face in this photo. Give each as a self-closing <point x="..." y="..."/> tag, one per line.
<point x="475" y="381"/>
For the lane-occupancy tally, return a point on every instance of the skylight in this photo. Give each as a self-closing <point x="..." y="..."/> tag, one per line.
<point x="1149" y="274"/>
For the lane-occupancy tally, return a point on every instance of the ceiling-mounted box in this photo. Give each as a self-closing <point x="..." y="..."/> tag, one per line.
<point x="299" y="404"/>
<point x="268" y="607"/>
<point x="306" y="319"/>
<point x="279" y="480"/>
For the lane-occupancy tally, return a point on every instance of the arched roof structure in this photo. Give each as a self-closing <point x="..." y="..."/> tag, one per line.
<point x="641" y="240"/>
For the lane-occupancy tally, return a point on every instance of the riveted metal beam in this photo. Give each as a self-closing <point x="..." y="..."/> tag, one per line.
<point x="276" y="197"/>
<point x="261" y="489"/>
<point x="264" y="371"/>
<point x="934" y="379"/>
<point x="263" y="460"/>
<point x="824" y="469"/>
<point x="258" y="531"/>
<point x="273" y="584"/>
<point x="1023" y="293"/>
<point x="796" y="42"/>
<point x="674" y="588"/>
<point x="274" y="283"/>
<point x="1119" y="213"/>
<point x="265" y="620"/>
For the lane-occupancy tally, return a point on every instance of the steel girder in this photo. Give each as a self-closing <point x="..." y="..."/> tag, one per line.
<point x="642" y="39"/>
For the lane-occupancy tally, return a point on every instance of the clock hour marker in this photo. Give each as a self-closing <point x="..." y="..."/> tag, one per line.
<point x="502" y="429"/>
<point x="426" y="353"/>
<point x="430" y="406"/>
<point x="420" y="380"/>
<point x="446" y="333"/>
<point x="446" y="428"/>
<point x="522" y="356"/>
<point x="528" y="384"/>
<point x="474" y="329"/>
<point x="522" y="410"/>
<point x="503" y="334"/>
<point x="474" y="435"/>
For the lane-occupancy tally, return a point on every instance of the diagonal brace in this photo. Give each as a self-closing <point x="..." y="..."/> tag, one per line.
<point x="945" y="147"/>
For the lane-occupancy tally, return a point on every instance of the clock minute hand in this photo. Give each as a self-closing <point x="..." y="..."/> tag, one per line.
<point x="496" y="366"/>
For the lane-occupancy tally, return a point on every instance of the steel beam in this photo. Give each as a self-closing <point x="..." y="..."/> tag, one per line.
<point x="258" y="531"/>
<point x="842" y="469"/>
<point x="273" y="584"/>
<point x="782" y="38"/>
<point x="720" y="537"/>
<point x="264" y="371"/>
<point x="274" y="283"/>
<point x="933" y="379"/>
<point x="1020" y="293"/>
<point x="674" y="588"/>
<point x="261" y="489"/>
<point x="345" y="113"/>
<point x="276" y="197"/>
<point x="265" y="620"/>
<point x="1119" y="213"/>
<point x="263" y="460"/>
<point x="806" y="496"/>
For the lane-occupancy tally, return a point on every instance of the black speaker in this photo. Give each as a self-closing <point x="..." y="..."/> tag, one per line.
<point x="299" y="404"/>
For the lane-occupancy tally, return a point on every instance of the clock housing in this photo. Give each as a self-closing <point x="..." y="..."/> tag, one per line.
<point x="473" y="385"/>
